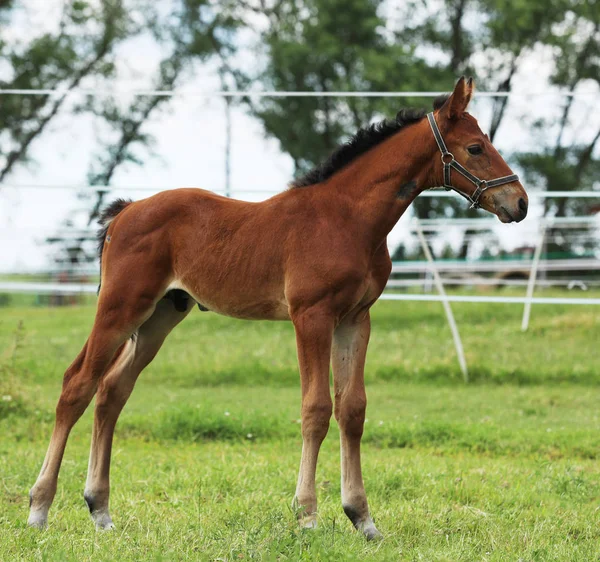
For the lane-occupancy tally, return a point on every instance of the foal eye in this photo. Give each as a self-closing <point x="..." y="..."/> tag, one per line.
<point x="475" y="149"/>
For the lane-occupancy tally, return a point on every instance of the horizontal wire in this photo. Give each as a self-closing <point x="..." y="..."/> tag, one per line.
<point x="489" y="299"/>
<point x="74" y="288"/>
<point x="270" y="93"/>
<point x="491" y="281"/>
<point x="157" y="188"/>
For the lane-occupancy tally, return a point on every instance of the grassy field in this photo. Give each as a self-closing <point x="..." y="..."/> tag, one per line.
<point x="206" y="452"/>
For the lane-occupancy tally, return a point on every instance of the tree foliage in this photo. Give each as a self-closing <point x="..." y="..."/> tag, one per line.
<point x="83" y="46"/>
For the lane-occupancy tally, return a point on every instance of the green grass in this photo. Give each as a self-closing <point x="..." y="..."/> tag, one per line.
<point x="206" y="452"/>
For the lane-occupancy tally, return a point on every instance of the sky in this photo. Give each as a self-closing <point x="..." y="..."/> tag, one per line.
<point x="189" y="149"/>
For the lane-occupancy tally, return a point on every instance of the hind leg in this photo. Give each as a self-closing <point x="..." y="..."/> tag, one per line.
<point x="114" y="323"/>
<point x="113" y="392"/>
<point x="348" y="360"/>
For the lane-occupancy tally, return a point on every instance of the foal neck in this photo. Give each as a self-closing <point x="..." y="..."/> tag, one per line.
<point x="382" y="183"/>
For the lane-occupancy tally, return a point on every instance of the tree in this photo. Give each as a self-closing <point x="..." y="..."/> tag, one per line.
<point x="192" y="32"/>
<point x="324" y="46"/>
<point x="569" y="158"/>
<point x="83" y="46"/>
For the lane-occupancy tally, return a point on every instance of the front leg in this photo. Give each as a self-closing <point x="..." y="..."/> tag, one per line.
<point x="348" y="353"/>
<point x="314" y="328"/>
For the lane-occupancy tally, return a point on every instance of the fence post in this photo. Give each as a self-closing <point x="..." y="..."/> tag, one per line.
<point x="447" y="308"/>
<point x="533" y="277"/>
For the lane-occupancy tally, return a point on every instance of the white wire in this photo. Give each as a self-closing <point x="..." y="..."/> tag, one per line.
<point x="74" y="288"/>
<point x="489" y="281"/>
<point x="442" y="225"/>
<point x="268" y="93"/>
<point x="490" y="299"/>
<point x="156" y="188"/>
<point x="420" y="267"/>
<point x="573" y="264"/>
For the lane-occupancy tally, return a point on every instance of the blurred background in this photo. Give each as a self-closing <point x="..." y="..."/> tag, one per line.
<point x="123" y="98"/>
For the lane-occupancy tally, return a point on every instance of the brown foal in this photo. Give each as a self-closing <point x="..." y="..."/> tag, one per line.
<point x="315" y="254"/>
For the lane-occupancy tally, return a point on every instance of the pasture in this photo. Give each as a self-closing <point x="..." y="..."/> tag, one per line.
<point x="207" y="450"/>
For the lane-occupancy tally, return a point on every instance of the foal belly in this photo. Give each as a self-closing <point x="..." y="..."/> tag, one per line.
<point x="255" y="310"/>
<point x="237" y="304"/>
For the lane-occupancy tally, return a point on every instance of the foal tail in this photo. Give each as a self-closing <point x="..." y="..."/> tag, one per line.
<point x="106" y="217"/>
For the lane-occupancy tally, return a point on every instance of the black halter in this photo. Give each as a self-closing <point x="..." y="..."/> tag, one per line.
<point x="449" y="163"/>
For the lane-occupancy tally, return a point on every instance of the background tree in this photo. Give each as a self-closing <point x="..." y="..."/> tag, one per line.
<point x="569" y="159"/>
<point x="83" y="46"/>
<point x="324" y="46"/>
<point x="190" y="33"/>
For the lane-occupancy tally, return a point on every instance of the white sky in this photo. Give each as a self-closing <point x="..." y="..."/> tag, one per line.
<point x="190" y="144"/>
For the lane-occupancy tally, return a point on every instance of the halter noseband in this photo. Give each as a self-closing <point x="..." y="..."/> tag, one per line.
<point x="449" y="163"/>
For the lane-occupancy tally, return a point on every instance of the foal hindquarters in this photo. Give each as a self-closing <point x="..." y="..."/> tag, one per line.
<point x="118" y="349"/>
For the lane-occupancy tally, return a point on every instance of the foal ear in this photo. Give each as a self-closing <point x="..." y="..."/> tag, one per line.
<point x="458" y="101"/>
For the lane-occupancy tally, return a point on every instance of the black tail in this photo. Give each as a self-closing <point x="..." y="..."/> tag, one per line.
<point x="106" y="217"/>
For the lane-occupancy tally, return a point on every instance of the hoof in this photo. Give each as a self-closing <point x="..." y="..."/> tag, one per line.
<point x="308" y="521"/>
<point x="37" y="520"/>
<point x="98" y="511"/>
<point x="102" y="521"/>
<point x="370" y="532"/>
<point x="305" y="520"/>
<point x="38" y="516"/>
<point x="363" y="523"/>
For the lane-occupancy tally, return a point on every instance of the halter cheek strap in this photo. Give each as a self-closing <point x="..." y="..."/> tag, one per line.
<point x="449" y="163"/>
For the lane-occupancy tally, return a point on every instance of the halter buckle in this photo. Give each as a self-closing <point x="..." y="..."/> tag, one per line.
<point x="447" y="155"/>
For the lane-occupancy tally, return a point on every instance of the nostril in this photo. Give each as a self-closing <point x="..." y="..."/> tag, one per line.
<point x="522" y="205"/>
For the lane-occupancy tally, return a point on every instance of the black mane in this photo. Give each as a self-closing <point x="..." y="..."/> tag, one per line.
<point x="364" y="140"/>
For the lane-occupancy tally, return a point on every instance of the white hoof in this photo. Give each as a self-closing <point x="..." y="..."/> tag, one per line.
<point x="102" y="521"/>
<point x="305" y="520"/>
<point x="308" y="521"/>
<point x="369" y="530"/>
<point x="38" y="520"/>
<point x="362" y="523"/>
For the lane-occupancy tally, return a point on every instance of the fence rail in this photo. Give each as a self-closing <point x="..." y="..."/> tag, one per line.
<point x="91" y="288"/>
<point x="436" y="192"/>
<point x="421" y="267"/>
<point x="587" y="264"/>
<point x="489" y="299"/>
<point x="47" y="288"/>
<point x="140" y="92"/>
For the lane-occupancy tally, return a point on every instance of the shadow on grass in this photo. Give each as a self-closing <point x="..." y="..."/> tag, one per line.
<point x="481" y="376"/>
<point x="190" y="424"/>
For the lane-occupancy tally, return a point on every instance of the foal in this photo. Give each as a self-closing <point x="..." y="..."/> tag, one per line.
<point x="315" y="254"/>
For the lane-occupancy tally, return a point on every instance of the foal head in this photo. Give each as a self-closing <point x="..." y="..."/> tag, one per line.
<point x="469" y="163"/>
